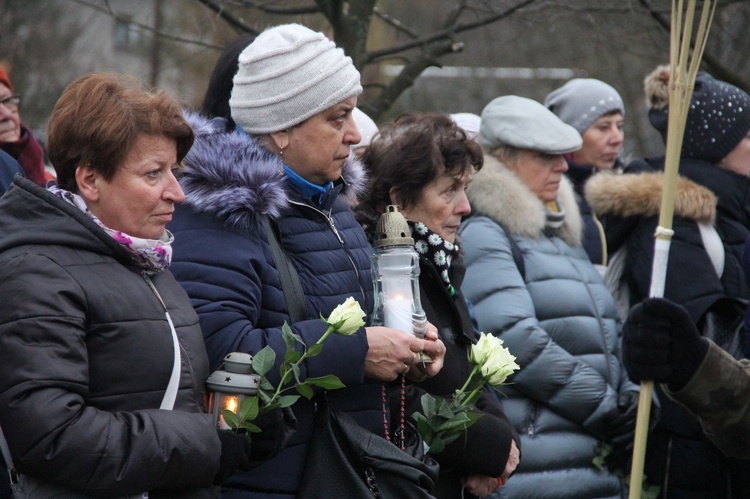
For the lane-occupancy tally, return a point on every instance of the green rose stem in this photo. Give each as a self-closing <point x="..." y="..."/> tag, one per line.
<point x="475" y="393"/>
<point x="345" y="320"/>
<point x="305" y="355"/>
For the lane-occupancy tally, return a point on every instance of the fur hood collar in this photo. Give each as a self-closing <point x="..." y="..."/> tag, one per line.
<point x="496" y="192"/>
<point x="231" y="176"/>
<point x="628" y="195"/>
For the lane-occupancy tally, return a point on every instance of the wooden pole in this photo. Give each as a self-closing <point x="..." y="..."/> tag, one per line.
<point x="681" y="83"/>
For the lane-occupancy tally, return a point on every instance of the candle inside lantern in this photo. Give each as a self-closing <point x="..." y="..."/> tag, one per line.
<point x="229" y="386"/>
<point x="397" y="312"/>
<point x="229" y="403"/>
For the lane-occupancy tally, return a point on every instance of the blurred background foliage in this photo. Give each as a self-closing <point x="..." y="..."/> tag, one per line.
<point x="427" y="55"/>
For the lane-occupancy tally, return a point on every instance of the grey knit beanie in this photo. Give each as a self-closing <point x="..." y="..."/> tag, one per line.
<point x="288" y="74"/>
<point x="581" y="102"/>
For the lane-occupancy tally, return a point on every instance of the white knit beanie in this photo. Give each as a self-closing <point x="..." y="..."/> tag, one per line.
<point x="468" y="122"/>
<point x="288" y="74"/>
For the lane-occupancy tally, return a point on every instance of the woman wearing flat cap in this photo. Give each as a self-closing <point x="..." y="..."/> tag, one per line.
<point x="533" y="285"/>
<point x="289" y="160"/>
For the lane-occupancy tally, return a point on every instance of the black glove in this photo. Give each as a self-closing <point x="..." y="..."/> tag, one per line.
<point x="235" y="454"/>
<point x="621" y="433"/>
<point x="277" y="427"/>
<point x="622" y="426"/>
<point x="661" y="343"/>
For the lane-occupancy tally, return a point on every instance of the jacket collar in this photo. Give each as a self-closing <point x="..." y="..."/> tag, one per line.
<point x="639" y="194"/>
<point x="499" y="194"/>
<point x="231" y="176"/>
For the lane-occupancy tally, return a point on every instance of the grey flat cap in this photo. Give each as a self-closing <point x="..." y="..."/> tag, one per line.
<point x="526" y="124"/>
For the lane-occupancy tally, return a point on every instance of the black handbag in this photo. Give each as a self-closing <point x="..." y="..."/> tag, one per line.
<point x="346" y="458"/>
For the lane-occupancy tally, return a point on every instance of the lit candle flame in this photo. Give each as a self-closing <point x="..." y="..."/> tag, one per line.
<point x="230" y="404"/>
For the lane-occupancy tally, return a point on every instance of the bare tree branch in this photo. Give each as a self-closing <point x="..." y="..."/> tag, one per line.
<point x="231" y="19"/>
<point x="395" y="23"/>
<point x="716" y="68"/>
<point x="290" y="11"/>
<point x="444" y="33"/>
<point x="145" y="27"/>
<point x="408" y="76"/>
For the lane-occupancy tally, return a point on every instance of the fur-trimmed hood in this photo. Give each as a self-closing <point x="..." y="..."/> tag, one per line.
<point x="496" y="192"/>
<point x="627" y="195"/>
<point x="231" y="176"/>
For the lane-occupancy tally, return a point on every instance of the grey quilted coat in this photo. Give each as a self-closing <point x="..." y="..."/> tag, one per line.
<point x="559" y="319"/>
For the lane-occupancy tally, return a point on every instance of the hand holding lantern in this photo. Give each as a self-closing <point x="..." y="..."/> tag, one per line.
<point x="240" y="391"/>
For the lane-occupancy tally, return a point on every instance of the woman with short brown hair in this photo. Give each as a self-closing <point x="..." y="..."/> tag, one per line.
<point x="102" y="361"/>
<point x="99" y="118"/>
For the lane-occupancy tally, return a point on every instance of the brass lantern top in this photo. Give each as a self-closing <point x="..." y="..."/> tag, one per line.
<point x="392" y="229"/>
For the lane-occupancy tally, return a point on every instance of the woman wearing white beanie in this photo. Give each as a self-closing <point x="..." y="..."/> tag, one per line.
<point x="289" y="160"/>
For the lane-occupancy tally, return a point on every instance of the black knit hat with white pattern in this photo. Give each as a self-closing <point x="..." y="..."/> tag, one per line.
<point x="718" y="118"/>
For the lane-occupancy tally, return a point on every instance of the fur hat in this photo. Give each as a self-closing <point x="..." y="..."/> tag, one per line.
<point x="4" y="79"/>
<point x="526" y="124"/>
<point x="718" y="118"/>
<point x="581" y="101"/>
<point x="288" y="74"/>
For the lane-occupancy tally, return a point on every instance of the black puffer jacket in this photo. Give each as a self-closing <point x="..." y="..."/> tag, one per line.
<point x="86" y="354"/>
<point x="679" y="458"/>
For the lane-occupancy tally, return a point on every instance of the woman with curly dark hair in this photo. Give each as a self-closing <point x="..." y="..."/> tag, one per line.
<point x="423" y="163"/>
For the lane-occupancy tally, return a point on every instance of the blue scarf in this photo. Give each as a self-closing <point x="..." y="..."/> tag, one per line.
<point x="316" y="193"/>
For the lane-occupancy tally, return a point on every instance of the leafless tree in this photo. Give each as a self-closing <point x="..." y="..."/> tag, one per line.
<point x="352" y="21"/>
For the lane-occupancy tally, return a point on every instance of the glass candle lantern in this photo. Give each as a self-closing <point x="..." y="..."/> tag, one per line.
<point x="395" y="274"/>
<point x="229" y="386"/>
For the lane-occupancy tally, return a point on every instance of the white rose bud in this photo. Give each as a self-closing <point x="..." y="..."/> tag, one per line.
<point x="481" y="350"/>
<point x="495" y="361"/>
<point x="499" y="366"/>
<point x="347" y="318"/>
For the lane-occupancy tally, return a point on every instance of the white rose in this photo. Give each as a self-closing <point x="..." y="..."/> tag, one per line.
<point x="347" y="318"/>
<point x="495" y="361"/>
<point x="499" y="366"/>
<point x="481" y="349"/>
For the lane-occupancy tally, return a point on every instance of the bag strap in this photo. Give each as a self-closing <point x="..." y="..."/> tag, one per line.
<point x="714" y="247"/>
<point x="12" y="474"/>
<point x="170" y="394"/>
<point x="291" y="285"/>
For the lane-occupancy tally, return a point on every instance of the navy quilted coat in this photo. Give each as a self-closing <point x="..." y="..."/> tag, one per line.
<point x="223" y="260"/>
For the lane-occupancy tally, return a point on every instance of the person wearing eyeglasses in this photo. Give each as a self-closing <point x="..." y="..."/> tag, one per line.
<point x="16" y="139"/>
